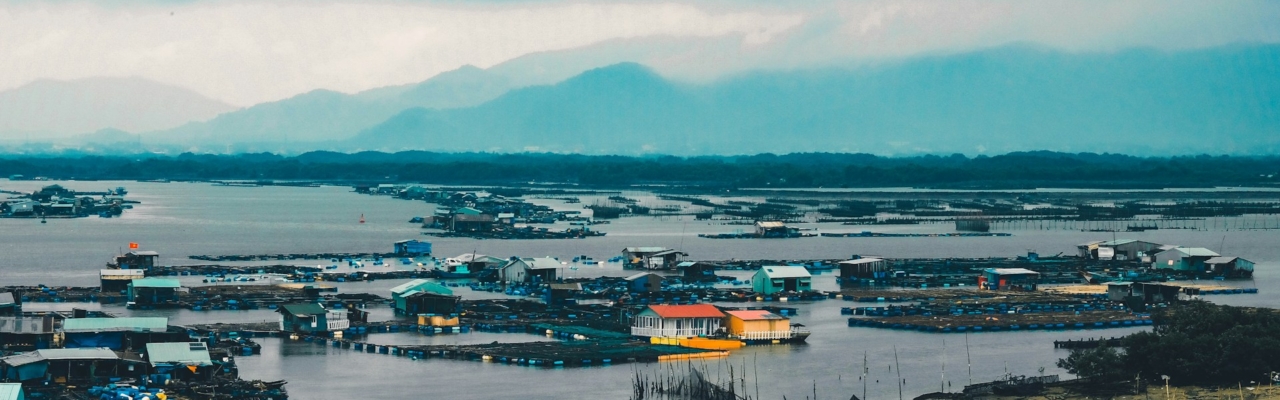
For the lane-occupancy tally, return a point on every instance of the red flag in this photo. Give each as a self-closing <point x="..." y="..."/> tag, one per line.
<point x="133" y="245"/>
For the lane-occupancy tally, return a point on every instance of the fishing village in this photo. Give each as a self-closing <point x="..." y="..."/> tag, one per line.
<point x="637" y="305"/>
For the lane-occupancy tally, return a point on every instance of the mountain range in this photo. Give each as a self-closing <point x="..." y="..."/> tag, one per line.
<point x="1012" y="98"/>
<point x="48" y="109"/>
<point x="1008" y="99"/>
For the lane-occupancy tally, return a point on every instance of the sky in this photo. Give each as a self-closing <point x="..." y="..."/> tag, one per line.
<point x="248" y="52"/>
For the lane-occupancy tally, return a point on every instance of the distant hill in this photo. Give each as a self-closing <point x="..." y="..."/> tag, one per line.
<point x="1220" y="100"/>
<point x="323" y="115"/>
<point x="48" y="109"/>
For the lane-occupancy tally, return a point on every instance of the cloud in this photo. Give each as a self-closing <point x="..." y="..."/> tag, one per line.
<point x="248" y="52"/>
<point x="245" y="53"/>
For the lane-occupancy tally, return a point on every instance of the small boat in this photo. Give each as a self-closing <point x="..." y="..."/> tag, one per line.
<point x="454" y="271"/>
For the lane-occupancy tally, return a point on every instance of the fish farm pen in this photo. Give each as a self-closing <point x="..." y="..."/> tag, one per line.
<point x="296" y="256"/>
<point x="1014" y="322"/>
<point x="1088" y="343"/>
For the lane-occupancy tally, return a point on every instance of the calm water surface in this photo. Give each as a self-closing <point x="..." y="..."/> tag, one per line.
<point x="181" y="219"/>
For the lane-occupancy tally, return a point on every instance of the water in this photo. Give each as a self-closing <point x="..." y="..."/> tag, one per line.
<point x="181" y="219"/>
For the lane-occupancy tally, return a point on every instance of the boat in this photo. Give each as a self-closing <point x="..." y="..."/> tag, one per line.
<point x="454" y="269"/>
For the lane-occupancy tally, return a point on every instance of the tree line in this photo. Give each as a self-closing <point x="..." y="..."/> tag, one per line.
<point x="1013" y="170"/>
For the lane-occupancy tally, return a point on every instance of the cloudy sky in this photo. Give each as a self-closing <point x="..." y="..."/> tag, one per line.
<point x="246" y="52"/>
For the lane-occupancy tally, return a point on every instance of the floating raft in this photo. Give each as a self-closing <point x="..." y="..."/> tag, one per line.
<point x="578" y="353"/>
<point x="879" y="234"/>
<point x="1011" y="322"/>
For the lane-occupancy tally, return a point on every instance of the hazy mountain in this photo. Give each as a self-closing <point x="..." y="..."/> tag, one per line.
<point x="999" y="100"/>
<point x="49" y="109"/>
<point x="323" y="115"/>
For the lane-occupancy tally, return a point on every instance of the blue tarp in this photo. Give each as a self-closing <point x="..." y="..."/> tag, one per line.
<point x="111" y="340"/>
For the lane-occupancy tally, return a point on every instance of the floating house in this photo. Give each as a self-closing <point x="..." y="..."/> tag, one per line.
<point x="1147" y="292"/>
<point x="9" y="304"/>
<point x="1008" y="279"/>
<point x="1231" y="267"/>
<point x="20" y="208"/>
<point x="760" y="325"/>
<point x="26" y="334"/>
<point x="865" y="268"/>
<point x="1183" y="258"/>
<point x="644" y="282"/>
<point x="311" y="318"/>
<point x="117" y="333"/>
<point x="1128" y="249"/>
<point x="153" y="291"/>
<point x="188" y="361"/>
<point x="677" y="321"/>
<point x="774" y="279"/>
<point x="70" y="366"/>
<point x="464" y="222"/>
<point x="12" y="391"/>
<point x="117" y="280"/>
<point x="413" y="248"/>
<point x="775" y="229"/>
<point x="143" y="260"/>
<point x="1119" y="291"/>
<point x="468" y="265"/>
<point x="651" y="258"/>
<point x="421" y="296"/>
<point x="507" y="218"/>
<point x="1089" y="250"/>
<point x="697" y="271"/>
<point x="530" y="270"/>
<point x="563" y="293"/>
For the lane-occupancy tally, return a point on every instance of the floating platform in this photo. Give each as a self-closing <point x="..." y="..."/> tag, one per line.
<point x="916" y="235"/>
<point x="1010" y="322"/>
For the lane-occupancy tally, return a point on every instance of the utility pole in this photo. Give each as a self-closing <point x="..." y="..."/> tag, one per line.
<point x="967" y="357"/>
<point x="899" y="368"/>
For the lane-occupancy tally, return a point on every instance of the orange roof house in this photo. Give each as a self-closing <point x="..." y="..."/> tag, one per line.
<point x="677" y="321"/>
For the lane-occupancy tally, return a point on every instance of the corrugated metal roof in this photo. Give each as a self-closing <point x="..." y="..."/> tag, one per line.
<point x="687" y="311"/>
<point x="566" y="286"/>
<point x="861" y="261"/>
<point x="183" y="353"/>
<point x="650" y="249"/>
<point x="542" y="263"/>
<point x="771" y="224"/>
<point x="785" y="272"/>
<point x="422" y="285"/>
<point x="10" y="391"/>
<point x="1220" y="260"/>
<point x="1012" y="271"/>
<point x="144" y="253"/>
<point x="6" y="298"/>
<point x="156" y="283"/>
<point x="753" y="315"/>
<point x="407" y="286"/>
<point x="1117" y="242"/>
<point x="1197" y="252"/>
<point x="303" y="309"/>
<point x="641" y="275"/>
<point x="144" y="324"/>
<point x="86" y="353"/>
<point x="127" y="273"/>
